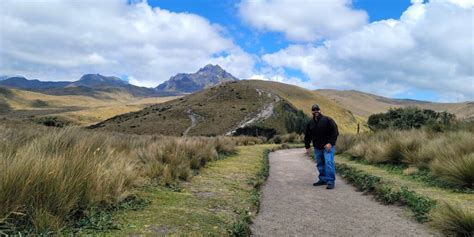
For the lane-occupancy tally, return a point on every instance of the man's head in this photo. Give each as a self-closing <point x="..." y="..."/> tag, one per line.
<point x="315" y="110"/>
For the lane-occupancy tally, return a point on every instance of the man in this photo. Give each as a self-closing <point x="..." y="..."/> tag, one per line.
<point x="322" y="130"/>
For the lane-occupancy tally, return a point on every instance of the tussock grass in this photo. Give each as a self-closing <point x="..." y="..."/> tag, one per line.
<point x="455" y="170"/>
<point x="50" y="177"/>
<point x="449" y="155"/>
<point x="287" y="138"/>
<point x="454" y="220"/>
<point x="345" y="142"/>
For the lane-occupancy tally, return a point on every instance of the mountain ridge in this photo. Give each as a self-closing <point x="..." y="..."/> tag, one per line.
<point x="210" y="75"/>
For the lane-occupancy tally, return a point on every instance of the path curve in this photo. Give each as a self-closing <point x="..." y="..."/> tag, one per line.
<point x="291" y="206"/>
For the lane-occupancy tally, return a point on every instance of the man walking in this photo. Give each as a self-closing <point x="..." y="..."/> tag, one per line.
<point x="322" y="130"/>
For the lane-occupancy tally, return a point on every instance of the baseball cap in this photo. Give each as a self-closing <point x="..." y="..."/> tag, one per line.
<point x="315" y="107"/>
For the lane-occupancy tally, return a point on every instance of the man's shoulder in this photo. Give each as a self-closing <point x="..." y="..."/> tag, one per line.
<point x="329" y="118"/>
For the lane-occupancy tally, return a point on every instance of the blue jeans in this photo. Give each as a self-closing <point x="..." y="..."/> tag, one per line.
<point x="325" y="164"/>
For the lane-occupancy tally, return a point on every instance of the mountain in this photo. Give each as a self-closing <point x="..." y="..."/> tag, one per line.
<point x="365" y="104"/>
<point x="207" y="76"/>
<point x="23" y="83"/>
<point x="228" y="107"/>
<point x="89" y="85"/>
<point x="97" y="80"/>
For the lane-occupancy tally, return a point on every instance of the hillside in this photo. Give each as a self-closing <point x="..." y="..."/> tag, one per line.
<point x="224" y="108"/>
<point x="365" y="104"/>
<point x="79" y="109"/>
<point x="208" y="76"/>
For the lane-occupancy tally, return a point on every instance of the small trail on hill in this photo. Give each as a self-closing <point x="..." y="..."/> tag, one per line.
<point x="291" y="206"/>
<point x="194" y="120"/>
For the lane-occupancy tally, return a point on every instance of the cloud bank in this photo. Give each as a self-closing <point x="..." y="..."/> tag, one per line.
<point x="429" y="48"/>
<point x="61" y="40"/>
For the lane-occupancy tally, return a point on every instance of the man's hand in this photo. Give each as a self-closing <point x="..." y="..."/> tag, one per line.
<point x="308" y="151"/>
<point x="328" y="146"/>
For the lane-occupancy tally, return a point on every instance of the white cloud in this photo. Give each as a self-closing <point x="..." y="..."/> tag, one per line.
<point x="61" y="40"/>
<point x="431" y="47"/>
<point x="303" y="20"/>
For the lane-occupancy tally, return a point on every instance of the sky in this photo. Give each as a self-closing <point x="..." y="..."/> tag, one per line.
<point x="395" y="48"/>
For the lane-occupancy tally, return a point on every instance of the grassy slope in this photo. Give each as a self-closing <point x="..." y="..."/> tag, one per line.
<point x="364" y="104"/>
<point x="206" y="205"/>
<point x="441" y="195"/>
<point x="88" y="110"/>
<point x="303" y="99"/>
<point x="222" y="107"/>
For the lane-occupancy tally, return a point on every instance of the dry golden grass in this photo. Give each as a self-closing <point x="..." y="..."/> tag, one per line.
<point x="448" y="155"/>
<point x="454" y="220"/>
<point x="49" y="177"/>
<point x="89" y="111"/>
<point x="365" y="104"/>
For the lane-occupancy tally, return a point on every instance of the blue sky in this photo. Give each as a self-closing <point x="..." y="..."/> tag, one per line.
<point x="226" y="13"/>
<point x="415" y="49"/>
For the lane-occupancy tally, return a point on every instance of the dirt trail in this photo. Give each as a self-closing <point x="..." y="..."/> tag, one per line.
<point x="291" y="206"/>
<point x="194" y="120"/>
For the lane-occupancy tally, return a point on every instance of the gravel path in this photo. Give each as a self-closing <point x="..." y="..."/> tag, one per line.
<point x="291" y="206"/>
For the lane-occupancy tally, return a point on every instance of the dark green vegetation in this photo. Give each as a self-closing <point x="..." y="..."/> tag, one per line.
<point x="55" y="180"/>
<point x="386" y="193"/>
<point x="409" y="118"/>
<point x="53" y="121"/>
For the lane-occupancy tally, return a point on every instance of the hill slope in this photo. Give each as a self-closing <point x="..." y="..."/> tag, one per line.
<point x="224" y="108"/>
<point x="79" y="109"/>
<point x="365" y="104"/>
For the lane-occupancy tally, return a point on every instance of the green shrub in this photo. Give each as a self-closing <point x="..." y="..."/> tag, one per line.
<point x="408" y="118"/>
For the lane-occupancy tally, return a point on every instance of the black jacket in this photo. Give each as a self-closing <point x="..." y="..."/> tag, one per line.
<point x="321" y="131"/>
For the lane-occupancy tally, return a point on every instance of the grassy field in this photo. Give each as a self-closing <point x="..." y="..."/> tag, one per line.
<point x="54" y="180"/>
<point x="217" y="202"/>
<point x="78" y="109"/>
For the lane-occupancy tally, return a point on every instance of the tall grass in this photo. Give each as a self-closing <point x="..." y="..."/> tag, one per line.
<point x="50" y="177"/>
<point x="454" y="221"/>
<point x="455" y="170"/>
<point x="449" y="155"/>
<point x="287" y="138"/>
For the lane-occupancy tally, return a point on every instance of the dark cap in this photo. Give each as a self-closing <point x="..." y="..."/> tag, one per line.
<point x="314" y="107"/>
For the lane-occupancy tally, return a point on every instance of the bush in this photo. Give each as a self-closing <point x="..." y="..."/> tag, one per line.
<point x="53" y="122"/>
<point x="408" y="118"/>
<point x="256" y="131"/>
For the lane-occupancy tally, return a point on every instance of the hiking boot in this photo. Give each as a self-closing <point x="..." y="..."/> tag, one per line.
<point x="330" y="186"/>
<point x="319" y="183"/>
